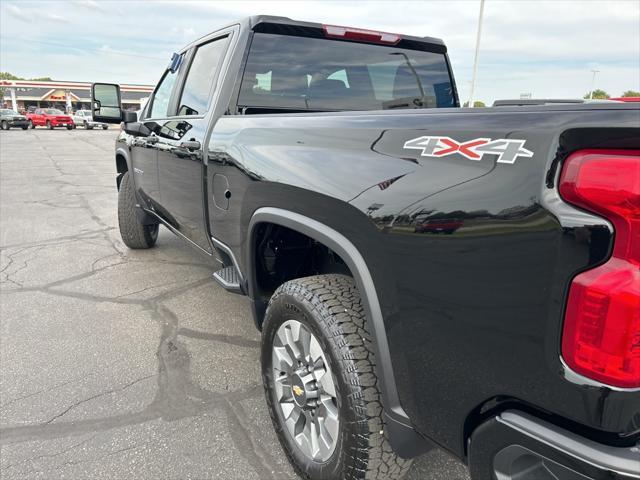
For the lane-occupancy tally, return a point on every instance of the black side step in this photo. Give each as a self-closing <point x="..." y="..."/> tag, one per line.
<point x="229" y="279"/>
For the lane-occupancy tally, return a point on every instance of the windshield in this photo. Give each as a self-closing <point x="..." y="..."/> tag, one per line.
<point x="303" y="73"/>
<point x="53" y="111"/>
<point x="6" y="111"/>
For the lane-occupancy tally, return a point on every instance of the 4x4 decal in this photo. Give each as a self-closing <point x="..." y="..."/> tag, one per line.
<point x="506" y="149"/>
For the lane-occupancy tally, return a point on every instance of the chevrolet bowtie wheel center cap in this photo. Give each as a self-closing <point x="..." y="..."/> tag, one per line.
<point x="305" y="390"/>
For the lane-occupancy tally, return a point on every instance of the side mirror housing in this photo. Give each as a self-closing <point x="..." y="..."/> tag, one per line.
<point x="129" y="117"/>
<point x="105" y="103"/>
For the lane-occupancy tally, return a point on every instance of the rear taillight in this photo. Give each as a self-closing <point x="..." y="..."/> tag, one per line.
<point x="358" y="34"/>
<point x="601" y="335"/>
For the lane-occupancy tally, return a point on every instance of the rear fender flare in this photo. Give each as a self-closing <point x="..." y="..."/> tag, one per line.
<point x="404" y="439"/>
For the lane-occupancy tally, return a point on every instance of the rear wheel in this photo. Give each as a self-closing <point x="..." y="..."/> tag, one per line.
<point x="134" y="234"/>
<point x="69" y="127"/>
<point x="104" y="127"/>
<point x="31" y="125"/>
<point x="318" y="369"/>
<point x="4" y="125"/>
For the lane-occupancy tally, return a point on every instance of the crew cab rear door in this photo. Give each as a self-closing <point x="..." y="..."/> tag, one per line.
<point x="181" y="139"/>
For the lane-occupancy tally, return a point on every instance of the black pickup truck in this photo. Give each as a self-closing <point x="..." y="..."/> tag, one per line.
<point x="423" y="275"/>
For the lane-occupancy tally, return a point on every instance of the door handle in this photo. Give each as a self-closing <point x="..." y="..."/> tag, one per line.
<point x="191" y="145"/>
<point x="152" y="139"/>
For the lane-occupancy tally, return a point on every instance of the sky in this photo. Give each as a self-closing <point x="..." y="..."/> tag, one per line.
<point x="543" y="47"/>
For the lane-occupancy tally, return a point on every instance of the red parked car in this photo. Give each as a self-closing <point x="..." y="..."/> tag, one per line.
<point x="446" y="225"/>
<point x="50" y="118"/>
<point x="626" y="99"/>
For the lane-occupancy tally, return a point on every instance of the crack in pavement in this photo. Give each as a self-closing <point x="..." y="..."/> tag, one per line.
<point x="218" y="337"/>
<point x="50" y="389"/>
<point x="48" y="455"/>
<point x="108" y="392"/>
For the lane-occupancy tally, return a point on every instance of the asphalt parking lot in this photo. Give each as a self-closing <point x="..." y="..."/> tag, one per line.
<point x="117" y="363"/>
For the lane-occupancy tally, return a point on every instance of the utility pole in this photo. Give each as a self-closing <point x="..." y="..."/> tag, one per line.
<point x="593" y="83"/>
<point x="475" y="58"/>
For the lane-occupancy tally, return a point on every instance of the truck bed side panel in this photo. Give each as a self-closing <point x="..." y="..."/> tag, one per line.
<point x="471" y="257"/>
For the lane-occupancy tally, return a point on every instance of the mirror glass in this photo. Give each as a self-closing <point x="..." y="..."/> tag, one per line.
<point x="106" y="101"/>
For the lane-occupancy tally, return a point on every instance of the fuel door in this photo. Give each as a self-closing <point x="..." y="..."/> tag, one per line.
<point x="221" y="192"/>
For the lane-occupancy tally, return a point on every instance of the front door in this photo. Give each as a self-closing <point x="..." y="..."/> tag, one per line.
<point x="181" y="140"/>
<point x="144" y="153"/>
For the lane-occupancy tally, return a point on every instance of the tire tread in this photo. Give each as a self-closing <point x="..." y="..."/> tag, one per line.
<point x="334" y="300"/>
<point x="133" y="233"/>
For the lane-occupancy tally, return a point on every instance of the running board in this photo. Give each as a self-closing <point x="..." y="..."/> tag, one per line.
<point x="229" y="279"/>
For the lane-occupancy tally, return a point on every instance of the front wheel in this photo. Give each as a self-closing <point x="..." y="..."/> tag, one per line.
<point x="134" y="234"/>
<point x="4" y="125"/>
<point x="69" y="127"/>
<point x="318" y="370"/>
<point x="105" y="127"/>
<point x="31" y="125"/>
<point x="49" y="125"/>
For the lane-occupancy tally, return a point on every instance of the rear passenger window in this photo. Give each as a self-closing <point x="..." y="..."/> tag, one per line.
<point x="201" y="77"/>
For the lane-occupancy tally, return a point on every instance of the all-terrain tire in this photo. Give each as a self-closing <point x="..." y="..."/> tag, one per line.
<point x="330" y="307"/>
<point x="134" y="234"/>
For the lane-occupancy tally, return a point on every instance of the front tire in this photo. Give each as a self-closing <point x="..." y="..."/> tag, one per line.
<point x="134" y="234"/>
<point x="31" y="125"/>
<point x="69" y="127"/>
<point x="317" y="361"/>
<point x="49" y="125"/>
<point x="4" y="125"/>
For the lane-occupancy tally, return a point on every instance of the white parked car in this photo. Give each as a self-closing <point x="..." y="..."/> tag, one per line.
<point x="84" y="118"/>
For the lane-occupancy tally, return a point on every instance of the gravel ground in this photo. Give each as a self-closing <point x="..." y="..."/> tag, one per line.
<point x="117" y="363"/>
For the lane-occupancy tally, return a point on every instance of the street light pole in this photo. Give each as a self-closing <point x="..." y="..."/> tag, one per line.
<point x="593" y="83"/>
<point x="475" y="58"/>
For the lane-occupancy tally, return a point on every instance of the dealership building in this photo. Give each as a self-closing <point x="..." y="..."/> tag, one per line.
<point x="67" y="96"/>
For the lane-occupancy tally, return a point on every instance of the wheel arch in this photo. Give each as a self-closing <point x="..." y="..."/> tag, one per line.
<point x="122" y="164"/>
<point x="403" y="437"/>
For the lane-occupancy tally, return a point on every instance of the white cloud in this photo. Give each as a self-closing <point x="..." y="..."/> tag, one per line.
<point x="90" y="4"/>
<point x="16" y="12"/>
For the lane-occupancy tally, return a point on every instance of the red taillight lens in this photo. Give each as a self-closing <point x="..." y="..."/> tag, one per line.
<point x="358" y="34"/>
<point x="601" y="336"/>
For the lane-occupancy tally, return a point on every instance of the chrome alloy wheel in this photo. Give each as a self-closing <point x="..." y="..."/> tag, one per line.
<point x="305" y="390"/>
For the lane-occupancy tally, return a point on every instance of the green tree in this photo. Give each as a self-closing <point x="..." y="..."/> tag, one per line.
<point x="598" y="94"/>
<point x="476" y="104"/>
<point x="8" y="76"/>
<point x="630" y="93"/>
